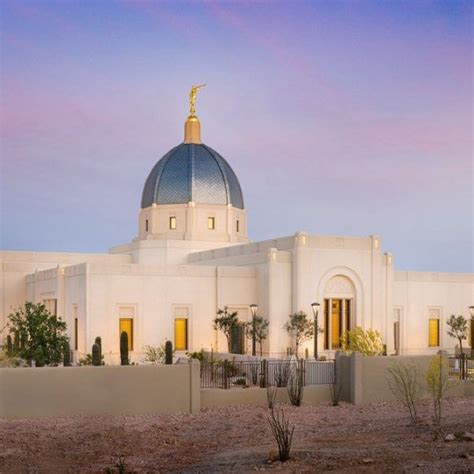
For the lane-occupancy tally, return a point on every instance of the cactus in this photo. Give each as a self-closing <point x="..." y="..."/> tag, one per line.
<point x="124" y="348"/>
<point x="9" y="344"/>
<point x="168" y="352"/>
<point x="96" y="359"/>
<point x="67" y="355"/>
<point x="98" y="341"/>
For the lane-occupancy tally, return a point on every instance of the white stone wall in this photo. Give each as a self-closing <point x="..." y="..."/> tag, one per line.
<point x="415" y="293"/>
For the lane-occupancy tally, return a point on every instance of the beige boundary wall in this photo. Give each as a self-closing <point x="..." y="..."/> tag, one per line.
<point x="114" y="390"/>
<point x="155" y="389"/>
<point x="364" y="379"/>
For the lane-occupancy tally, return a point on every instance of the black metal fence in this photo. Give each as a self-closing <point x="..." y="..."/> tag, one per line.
<point x="228" y="374"/>
<point x="461" y="367"/>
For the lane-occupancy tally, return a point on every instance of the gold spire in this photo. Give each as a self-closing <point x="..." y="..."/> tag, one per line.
<point x="192" y="127"/>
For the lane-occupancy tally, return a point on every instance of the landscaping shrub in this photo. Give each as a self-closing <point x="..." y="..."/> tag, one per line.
<point x="437" y="379"/>
<point x="282" y="432"/>
<point x="296" y="387"/>
<point x="367" y="343"/>
<point x="404" y="381"/>
<point x="271" y="396"/>
<point x="334" y="389"/>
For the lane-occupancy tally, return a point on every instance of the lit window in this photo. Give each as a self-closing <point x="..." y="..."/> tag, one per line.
<point x="146" y="225"/>
<point x="126" y="325"/>
<point x="237" y="226"/>
<point x="181" y="334"/>
<point x="433" y="338"/>
<point x="172" y="222"/>
<point x="211" y="223"/>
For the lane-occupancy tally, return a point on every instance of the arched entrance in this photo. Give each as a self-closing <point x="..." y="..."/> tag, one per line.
<point x="339" y="310"/>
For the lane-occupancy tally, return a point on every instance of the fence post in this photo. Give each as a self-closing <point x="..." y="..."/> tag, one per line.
<point x="303" y="372"/>
<point x="226" y="374"/>
<point x="263" y="373"/>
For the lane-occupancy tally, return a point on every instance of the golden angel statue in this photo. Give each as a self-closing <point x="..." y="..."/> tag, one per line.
<point x="192" y="98"/>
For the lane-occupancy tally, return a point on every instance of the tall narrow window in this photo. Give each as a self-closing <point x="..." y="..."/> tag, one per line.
<point x="326" y="324"/>
<point x="146" y="225"/>
<point x="172" y="222"/>
<point x="76" y="334"/>
<point x="126" y="325"/>
<point x="433" y="338"/>
<point x="181" y="334"/>
<point x="347" y="315"/>
<point x="237" y="226"/>
<point x="211" y="223"/>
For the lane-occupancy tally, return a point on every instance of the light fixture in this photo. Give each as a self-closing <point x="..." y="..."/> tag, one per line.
<point x="471" y="310"/>
<point x="253" y="309"/>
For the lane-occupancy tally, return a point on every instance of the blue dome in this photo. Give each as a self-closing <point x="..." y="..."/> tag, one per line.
<point x="192" y="172"/>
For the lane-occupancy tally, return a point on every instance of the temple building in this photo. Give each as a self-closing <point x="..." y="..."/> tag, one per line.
<point x="192" y="256"/>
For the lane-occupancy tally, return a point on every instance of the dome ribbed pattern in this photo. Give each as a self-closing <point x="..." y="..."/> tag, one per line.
<point x="192" y="172"/>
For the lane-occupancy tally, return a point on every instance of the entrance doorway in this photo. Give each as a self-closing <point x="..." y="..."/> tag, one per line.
<point x="337" y="320"/>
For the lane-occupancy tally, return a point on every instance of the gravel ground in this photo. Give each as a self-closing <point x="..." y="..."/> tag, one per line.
<point x="348" y="438"/>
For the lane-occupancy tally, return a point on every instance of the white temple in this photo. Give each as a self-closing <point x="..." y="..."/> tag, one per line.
<point x="192" y="256"/>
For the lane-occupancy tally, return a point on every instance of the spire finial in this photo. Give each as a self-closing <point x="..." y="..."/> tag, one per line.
<point x="192" y="127"/>
<point x="192" y="99"/>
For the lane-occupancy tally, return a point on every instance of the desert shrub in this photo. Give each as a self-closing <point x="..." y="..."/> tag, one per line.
<point x="86" y="360"/>
<point x="437" y="379"/>
<point x="201" y="356"/>
<point x="154" y="354"/>
<point x="367" y="343"/>
<point x="271" y="396"/>
<point x="283" y="433"/>
<point x="241" y="381"/>
<point x="296" y="387"/>
<point x="404" y="381"/>
<point x="8" y="360"/>
<point x="282" y="371"/>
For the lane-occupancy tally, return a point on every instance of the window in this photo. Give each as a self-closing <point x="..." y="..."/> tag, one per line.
<point x="433" y="338"/>
<point x="211" y="223"/>
<point x="181" y="315"/>
<point x="237" y="226"/>
<point x="51" y="305"/>
<point x="126" y="325"/>
<point x="146" y="225"/>
<point x="76" y="334"/>
<point x="181" y="334"/>
<point x="172" y="222"/>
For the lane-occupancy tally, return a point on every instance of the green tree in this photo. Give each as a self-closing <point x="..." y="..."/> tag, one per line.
<point x="300" y="328"/>
<point x="42" y="335"/>
<point x="457" y="328"/>
<point x="226" y="321"/>
<point x="260" y="331"/>
<point x="368" y="343"/>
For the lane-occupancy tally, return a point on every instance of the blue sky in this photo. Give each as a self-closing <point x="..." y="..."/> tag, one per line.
<point x="344" y="117"/>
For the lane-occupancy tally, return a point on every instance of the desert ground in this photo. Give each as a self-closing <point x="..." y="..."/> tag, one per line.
<point x="346" y="438"/>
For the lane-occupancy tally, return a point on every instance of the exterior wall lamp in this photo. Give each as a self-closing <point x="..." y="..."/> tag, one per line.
<point x="315" y="307"/>
<point x="253" y="310"/>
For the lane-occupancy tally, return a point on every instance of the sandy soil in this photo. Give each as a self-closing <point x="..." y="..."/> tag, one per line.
<point x="372" y="438"/>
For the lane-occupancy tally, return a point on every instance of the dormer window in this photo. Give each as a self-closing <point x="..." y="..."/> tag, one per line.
<point x="211" y="223"/>
<point x="172" y="222"/>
